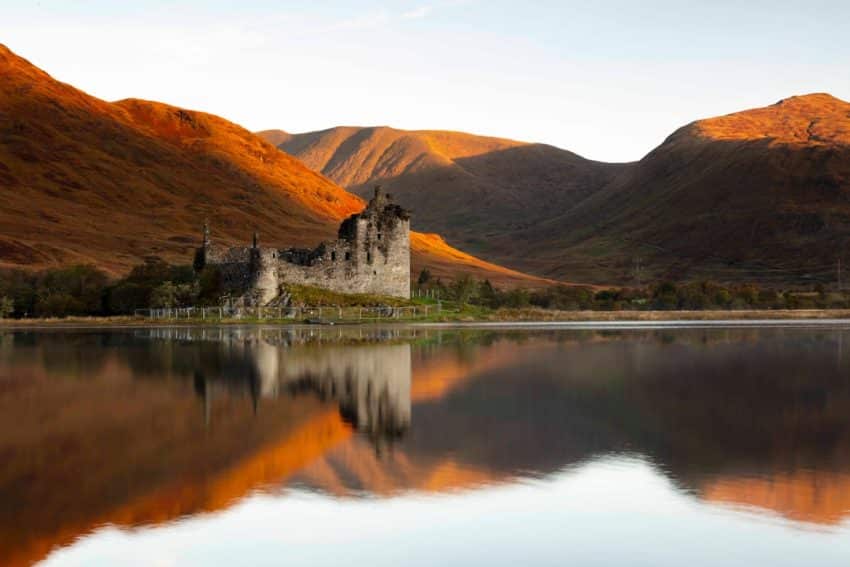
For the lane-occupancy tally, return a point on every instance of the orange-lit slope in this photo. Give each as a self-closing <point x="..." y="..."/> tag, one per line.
<point x="815" y="119"/>
<point x="431" y="251"/>
<point x="86" y="181"/>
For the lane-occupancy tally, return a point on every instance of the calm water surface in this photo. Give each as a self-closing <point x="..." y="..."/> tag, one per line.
<point x="412" y="446"/>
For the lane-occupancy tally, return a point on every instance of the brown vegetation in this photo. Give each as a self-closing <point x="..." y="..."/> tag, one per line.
<point x="84" y="181"/>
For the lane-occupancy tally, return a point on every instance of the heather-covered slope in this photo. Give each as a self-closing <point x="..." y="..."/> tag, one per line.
<point x="87" y="181"/>
<point x="84" y="180"/>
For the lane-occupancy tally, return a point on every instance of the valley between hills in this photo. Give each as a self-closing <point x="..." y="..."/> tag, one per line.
<point x="756" y="196"/>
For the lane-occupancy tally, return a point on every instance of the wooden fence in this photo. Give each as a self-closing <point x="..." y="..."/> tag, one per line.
<point x="317" y="313"/>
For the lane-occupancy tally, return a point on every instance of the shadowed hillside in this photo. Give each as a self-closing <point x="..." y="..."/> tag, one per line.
<point x="760" y="195"/>
<point x="468" y="188"/>
<point x="87" y="181"/>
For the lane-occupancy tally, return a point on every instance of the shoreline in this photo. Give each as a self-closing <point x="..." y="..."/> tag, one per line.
<point x="520" y="318"/>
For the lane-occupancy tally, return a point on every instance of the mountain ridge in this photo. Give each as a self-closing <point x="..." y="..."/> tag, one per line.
<point x="734" y="198"/>
<point x="466" y="187"/>
<point x="743" y="197"/>
<point x="89" y="181"/>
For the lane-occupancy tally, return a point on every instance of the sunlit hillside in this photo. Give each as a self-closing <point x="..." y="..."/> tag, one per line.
<point x="87" y="181"/>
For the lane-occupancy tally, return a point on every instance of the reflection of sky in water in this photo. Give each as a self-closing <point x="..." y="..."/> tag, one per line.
<point x="608" y="512"/>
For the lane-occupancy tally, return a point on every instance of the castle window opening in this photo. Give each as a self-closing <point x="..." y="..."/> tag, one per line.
<point x="333" y="256"/>
<point x="348" y="255"/>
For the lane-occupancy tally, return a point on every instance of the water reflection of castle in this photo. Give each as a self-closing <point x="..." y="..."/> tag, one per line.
<point x="370" y="382"/>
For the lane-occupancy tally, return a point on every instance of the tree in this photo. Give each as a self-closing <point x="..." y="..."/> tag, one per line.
<point x="153" y="272"/>
<point x="424" y="276"/>
<point x="7" y="307"/>
<point x="665" y="296"/>
<point x="126" y="297"/>
<point x="76" y="290"/>
<point x="487" y="294"/>
<point x="517" y="298"/>
<point x="464" y="288"/>
<point x="164" y="296"/>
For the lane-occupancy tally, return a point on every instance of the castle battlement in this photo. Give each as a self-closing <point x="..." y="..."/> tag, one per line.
<point x="371" y="255"/>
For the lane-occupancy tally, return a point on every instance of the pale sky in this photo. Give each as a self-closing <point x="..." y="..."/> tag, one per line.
<point x="608" y="80"/>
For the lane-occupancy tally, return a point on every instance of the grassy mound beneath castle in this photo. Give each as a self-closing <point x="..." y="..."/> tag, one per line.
<point x="302" y="295"/>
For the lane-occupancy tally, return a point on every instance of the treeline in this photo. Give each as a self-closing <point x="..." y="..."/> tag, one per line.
<point x="665" y="296"/>
<point x="88" y="291"/>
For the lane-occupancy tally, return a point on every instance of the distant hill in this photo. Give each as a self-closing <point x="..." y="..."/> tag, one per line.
<point x="761" y="195"/>
<point x="87" y="181"/>
<point x="275" y="137"/>
<point x="468" y="188"/>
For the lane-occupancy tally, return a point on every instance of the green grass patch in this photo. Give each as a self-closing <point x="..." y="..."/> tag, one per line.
<point x="315" y="296"/>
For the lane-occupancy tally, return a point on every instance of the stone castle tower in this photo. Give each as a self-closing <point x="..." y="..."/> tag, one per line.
<point x="371" y="255"/>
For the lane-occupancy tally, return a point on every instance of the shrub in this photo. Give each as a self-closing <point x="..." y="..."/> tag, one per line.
<point x="165" y="295"/>
<point x="7" y="307"/>
<point x="125" y="297"/>
<point x="665" y="296"/>
<point x="77" y="290"/>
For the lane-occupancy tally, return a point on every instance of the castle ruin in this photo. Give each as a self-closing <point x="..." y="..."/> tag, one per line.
<point x="371" y="255"/>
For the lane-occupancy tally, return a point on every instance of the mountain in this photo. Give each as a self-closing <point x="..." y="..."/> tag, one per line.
<point x="761" y="195"/>
<point x="275" y="137"/>
<point x="469" y="188"/>
<point x="87" y="181"/>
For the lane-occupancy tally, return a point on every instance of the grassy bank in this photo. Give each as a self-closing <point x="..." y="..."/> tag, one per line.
<point x="465" y="315"/>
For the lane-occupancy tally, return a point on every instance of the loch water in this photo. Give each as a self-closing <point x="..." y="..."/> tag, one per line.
<point x="665" y="445"/>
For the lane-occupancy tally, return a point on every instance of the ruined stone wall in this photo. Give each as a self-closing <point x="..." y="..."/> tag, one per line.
<point x="234" y="266"/>
<point x="265" y="278"/>
<point x="366" y="264"/>
<point x="371" y="256"/>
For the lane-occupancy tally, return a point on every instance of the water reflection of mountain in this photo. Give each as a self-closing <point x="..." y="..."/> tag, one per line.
<point x="750" y="417"/>
<point x="122" y="423"/>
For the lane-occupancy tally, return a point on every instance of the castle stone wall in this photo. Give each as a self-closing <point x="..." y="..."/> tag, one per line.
<point x="371" y="256"/>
